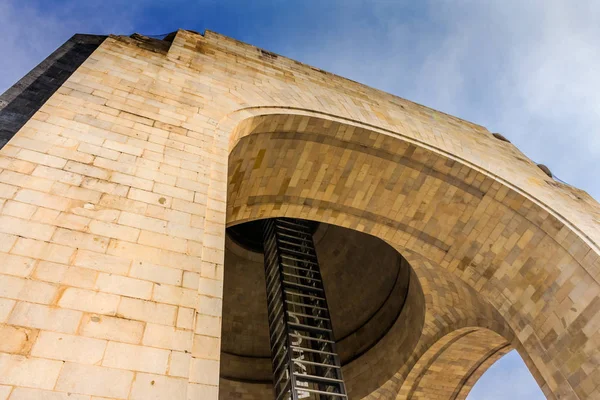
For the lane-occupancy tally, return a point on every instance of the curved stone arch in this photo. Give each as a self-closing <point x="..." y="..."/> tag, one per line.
<point x="537" y="272"/>
<point x="233" y="126"/>
<point x="451" y="366"/>
<point x="455" y="354"/>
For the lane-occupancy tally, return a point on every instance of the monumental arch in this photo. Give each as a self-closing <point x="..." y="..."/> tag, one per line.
<point x="124" y="160"/>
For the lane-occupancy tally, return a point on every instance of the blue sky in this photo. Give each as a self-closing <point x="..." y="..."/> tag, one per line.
<point x="527" y="69"/>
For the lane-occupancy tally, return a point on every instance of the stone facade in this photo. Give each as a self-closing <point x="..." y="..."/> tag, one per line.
<point x="116" y="193"/>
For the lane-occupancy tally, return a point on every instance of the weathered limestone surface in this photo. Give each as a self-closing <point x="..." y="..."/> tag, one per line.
<point x="114" y="197"/>
<point x="24" y="98"/>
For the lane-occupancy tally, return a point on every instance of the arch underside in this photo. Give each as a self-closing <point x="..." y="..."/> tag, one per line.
<point x="450" y="367"/>
<point x="492" y="265"/>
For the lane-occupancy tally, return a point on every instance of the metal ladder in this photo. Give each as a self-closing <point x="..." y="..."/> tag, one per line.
<point x="304" y="358"/>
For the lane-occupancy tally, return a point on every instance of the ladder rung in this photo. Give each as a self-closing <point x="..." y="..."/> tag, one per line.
<point x="302" y="287"/>
<point x="295" y="238"/>
<point x="313" y="256"/>
<point x="309" y="328"/>
<point x="307" y="316"/>
<point x="300" y="361"/>
<point x="306" y="305"/>
<point x="296" y="335"/>
<point x="303" y="244"/>
<point x="312" y="350"/>
<point x="290" y="223"/>
<point x="317" y="379"/>
<point x="310" y="296"/>
<point x="313" y="271"/>
<point x="290" y="229"/>
<point x="298" y="260"/>
<point x="340" y="395"/>
<point x="301" y="277"/>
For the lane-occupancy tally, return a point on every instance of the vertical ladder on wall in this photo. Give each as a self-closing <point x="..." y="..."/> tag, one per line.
<point x="304" y="358"/>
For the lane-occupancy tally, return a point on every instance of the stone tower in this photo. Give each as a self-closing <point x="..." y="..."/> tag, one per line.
<point x="124" y="159"/>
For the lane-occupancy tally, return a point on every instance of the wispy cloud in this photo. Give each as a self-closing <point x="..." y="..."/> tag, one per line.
<point x="530" y="70"/>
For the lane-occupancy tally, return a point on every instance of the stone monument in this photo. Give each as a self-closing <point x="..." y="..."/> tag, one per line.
<point x="197" y="218"/>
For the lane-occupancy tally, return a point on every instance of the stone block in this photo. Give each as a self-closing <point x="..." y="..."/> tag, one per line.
<point x="158" y="387"/>
<point x="4" y="392"/>
<point x="16" y="265"/>
<point x="7" y="241"/>
<point x="163" y="241"/>
<point x="90" y="301"/>
<point x="147" y="311"/>
<point x="62" y="274"/>
<point x="124" y="286"/>
<point x="13" y="287"/>
<point x="43" y="250"/>
<point x="16" y="340"/>
<point x="185" y="318"/>
<point x="144" y="196"/>
<point x="167" y="337"/>
<point x="23" y="228"/>
<point x="28" y="371"/>
<point x="136" y="358"/>
<point x="40" y="158"/>
<point x="175" y="295"/>
<point x="208" y="326"/>
<point x="37" y="394"/>
<point x="204" y="371"/>
<point x="80" y="240"/>
<point x="86" y="170"/>
<point x="208" y="392"/>
<point x="44" y="317"/>
<point x="6" y="306"/>
<point x="111" y="328"/>
<point x="95" y="380"/>
<point x="42" y="199"/>
<point x="155" y="273"/>
<point x="18" y="210"/>
<point x="132" y="181"/>
<point x="179" y="364"/>
<point x="60" y="346"/>
<point x="102" y="262"/>
<point x="206" y="347"/>
<point x="57" y="175"/>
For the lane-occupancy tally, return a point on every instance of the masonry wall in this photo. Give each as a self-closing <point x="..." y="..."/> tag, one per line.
<point x="110" y="272"/>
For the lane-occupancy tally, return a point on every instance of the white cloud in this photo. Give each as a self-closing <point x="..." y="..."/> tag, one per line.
<point x="529" y="70"/>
